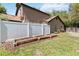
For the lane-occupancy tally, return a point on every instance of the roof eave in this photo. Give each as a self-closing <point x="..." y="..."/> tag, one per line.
<point x="31" y="8"/>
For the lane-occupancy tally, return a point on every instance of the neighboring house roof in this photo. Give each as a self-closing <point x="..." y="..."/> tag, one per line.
<point x="29" y="7"/>
<point x="52" y="18"/>
<point x="10" y="17"/>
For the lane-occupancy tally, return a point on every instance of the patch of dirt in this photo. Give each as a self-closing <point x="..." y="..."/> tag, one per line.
<point x="77" y="50"/>
<point x="38" y="52"/>
<point x="74" y="34"/>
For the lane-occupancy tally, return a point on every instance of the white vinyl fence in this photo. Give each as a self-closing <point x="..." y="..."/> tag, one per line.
<point x="0" y="30"/>
<point x="14" y="30"/>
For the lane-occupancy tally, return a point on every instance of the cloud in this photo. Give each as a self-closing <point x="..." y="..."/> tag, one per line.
<point x="49" y="7"/>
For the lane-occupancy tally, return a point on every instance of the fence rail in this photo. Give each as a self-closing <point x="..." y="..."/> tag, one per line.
<point x="13" y="30"/>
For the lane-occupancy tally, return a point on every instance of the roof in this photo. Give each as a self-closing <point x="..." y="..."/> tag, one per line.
<point x="52" y="18"/>
<point x="29" y="7"/>
<point x="18" y="19"/>
<point x="10" y="17"/>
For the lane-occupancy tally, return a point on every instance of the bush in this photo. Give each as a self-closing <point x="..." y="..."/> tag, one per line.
<point x="2" y="18"/>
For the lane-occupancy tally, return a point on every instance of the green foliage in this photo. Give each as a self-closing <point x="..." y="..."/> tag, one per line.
<point x="71" y="18"/>
<point x="63" y="15"/>
<point x="67" y="23"/>
<point x="3" y="18"/>
<point x="2" y="9"/>
<point x="74" y="13"/>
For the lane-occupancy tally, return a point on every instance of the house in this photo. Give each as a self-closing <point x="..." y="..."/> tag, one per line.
<point x="28" y="22"/>
<point x="30" y="14"/>
<point x="27" y="14"/>
<point x="56" y="24"/>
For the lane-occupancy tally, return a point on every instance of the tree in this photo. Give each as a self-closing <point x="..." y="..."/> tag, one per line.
<point x="2" y="9"/>
<point x="74" y="14"/>
<point x="63" y="15"/>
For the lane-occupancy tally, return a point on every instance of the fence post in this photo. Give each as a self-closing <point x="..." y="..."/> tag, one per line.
<point x="42" y="29"/>
<point x="28" y="29"/>
<point x="49" y="29"/>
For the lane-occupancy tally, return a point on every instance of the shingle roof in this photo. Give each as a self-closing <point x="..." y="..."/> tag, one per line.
<point x="19" y="4"/>
<point x="10" y="17"/>
<point x="52" y="18"/>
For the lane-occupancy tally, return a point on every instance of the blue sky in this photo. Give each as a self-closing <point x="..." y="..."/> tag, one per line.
<point x="45" y="7"/>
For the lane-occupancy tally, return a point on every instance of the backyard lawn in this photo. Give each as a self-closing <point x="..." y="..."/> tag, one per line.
<point x="58" y="46"/>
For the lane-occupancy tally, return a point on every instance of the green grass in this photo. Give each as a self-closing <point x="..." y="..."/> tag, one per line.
<point x="63" y="45"/>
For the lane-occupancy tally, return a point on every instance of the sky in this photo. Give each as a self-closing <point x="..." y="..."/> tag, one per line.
<point x="45" y="7"/>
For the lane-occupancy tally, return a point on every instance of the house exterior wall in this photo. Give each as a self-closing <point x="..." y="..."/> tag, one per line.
<point x="20" y="11"/>
<point x="56" y="25"/>
<point x="33" y="15"/>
